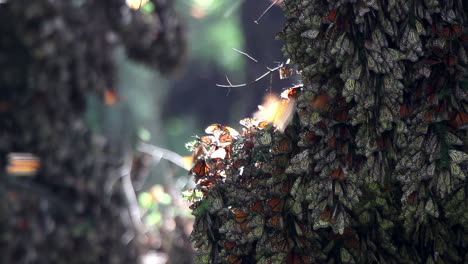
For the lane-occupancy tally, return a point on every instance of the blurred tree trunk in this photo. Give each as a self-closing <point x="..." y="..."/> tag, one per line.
<point x="372" y="168"/>
<point x="54" y="56"/>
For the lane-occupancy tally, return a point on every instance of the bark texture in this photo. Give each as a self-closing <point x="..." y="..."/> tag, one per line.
<point x="53" y="55"/>
<point x="373" y="166"/>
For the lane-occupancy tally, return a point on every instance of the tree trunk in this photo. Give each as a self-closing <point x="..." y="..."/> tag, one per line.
<point x="372" y="168"/>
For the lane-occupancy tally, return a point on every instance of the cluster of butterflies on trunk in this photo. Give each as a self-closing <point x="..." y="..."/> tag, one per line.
<point x="365" y="161"/>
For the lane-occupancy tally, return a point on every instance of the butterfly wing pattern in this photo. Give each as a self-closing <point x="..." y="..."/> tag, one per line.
<point x="370" y="164"/>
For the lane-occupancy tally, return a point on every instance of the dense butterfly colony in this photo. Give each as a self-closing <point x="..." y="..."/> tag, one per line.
<point x="60" y="189"/>
<point x="372" y="167"/>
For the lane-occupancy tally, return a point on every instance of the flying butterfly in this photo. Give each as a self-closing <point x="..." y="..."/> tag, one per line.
<point x="279" y="112"/>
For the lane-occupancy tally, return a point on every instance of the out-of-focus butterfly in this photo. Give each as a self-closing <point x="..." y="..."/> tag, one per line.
<point x="136" y="4"/>
<point x="23" y="164"/>
<point x="111" y="97"/>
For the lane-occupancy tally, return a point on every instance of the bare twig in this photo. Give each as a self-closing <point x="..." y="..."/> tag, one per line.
<point x="230" y="85"/>
<point x="244" y="53"/>
<point x="266" y="10"/>
<point x="130" y="195"/>
<point x="162" y="153"/>
<point x="270" y="71"/>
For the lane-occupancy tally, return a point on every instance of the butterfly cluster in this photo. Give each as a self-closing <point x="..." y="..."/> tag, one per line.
<point x="372" y="168"/>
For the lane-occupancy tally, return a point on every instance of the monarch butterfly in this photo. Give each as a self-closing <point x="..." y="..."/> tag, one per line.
<point x="320" y="102"/>
<point x="279" y="112"/>
<point x="226" y="138"/>
<point x="276" y="221"/>
<point x="220" y="153"/>
<point x="458" y="156"/>
<point x="239" y="163"/>
<point x="240" y="216"/>
<point x="310" y="34"/>
<point x="200" y="169"/>
<point x="290" y="93"/>
<point x="285" y="72"/>
<point x="299" y="163"/>
<point x="23" y="164"/>
<point x="216" y="128"/>
<point x="299" y="259"/>
<point x="405" y="110"/>
<point x="461" y="119"/>
<point x="450" y="61"/>
<point x="452" y="32"/>
<point x="338" y="174"/>
<point x="283" y="146"/>
<point x="326" y="215"/>
<point x="452" y="139"/>
<point x="428" y="116"/>
<point x="136" y="4"/>
<point x="228" y="151"/>
<point x="232" y="259"/>
<point x="332" y="15"/>
<point x="257" y="207"/>
<point x="279" y="242"/>
<point x="264" y="139"/>
<point x="111" y="97"/>
<point x="275" y="205"/>
<point x="207" y="140"/>
<point x="341" y="116"/>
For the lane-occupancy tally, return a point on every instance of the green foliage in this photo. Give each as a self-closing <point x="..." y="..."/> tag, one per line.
<point x="156" y="204"/>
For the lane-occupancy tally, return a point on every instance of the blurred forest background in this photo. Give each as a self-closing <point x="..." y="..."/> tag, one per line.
<point x="168" y="112"/>
<point x="83" y="82"/>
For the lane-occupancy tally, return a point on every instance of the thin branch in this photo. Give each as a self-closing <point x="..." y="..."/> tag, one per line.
<point x="244" y="53"/>
<point x="129" y="191"/>
<point x="266" y="10"/>
<point x="232" y="85"/>
<point x="229" y="90"/>
<point x="162" y="153"/>
<point x="270" y="71"/>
